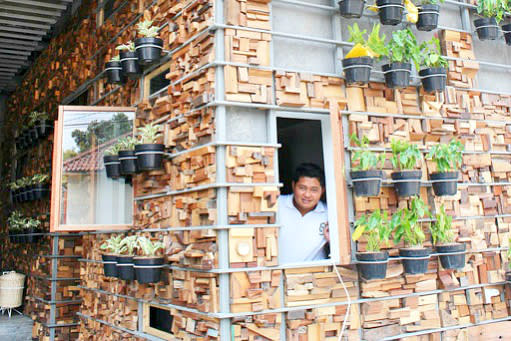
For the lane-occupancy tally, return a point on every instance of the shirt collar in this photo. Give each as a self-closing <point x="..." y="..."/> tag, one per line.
<point x="320" y="207"/>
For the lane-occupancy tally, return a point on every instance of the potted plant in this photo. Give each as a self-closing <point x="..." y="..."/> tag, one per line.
<point x="14" y="221"/>
<point x="30" y="189"/>
<point x="351" y="8"/>
<point x="114" y="71"/>
<point x="127" y="158"/>
<point x="41" y="122"/>
<point x="448" y="158"/>
<point x="111" y="162"/>
<point x="125" y="269"/>
<point x="129" y="60"/>
<point x="112" y="246"/>
<point x="443" y="238"/>
<point x="492" y="12"/>
<point x="390" y="11"/>
<point x="148" y="266"/>
<point x="365" y="175"/>
<point x="506" y="29"/>
<point x="429" y="10"/>
<point x="434" y="75"/>
<point x="23" y="183"/>
<point x="148" y="47"/>
<point x="373" y="262"/>
<point x="358" y="62"/>
<point x="407" y="181"/>
<point x="14" y="189"/>
<point x="31" y="227"/>
<point x="148" y="152"/>
<point x="41" y="187"/>
<point x="405" y="224"/>
<point x="402" y="48"/>
<point x="28" y="138"/>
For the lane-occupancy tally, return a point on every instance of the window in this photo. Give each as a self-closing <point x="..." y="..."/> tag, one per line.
<point x="82" y="99"/>
<point x="158" y="321"/>
<point x="156" y="81"/>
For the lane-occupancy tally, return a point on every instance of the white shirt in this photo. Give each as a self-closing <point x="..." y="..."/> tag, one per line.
<point x="301" y="237"/>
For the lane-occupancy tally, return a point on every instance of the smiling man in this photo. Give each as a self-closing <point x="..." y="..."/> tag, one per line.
<point x="304" y="217"/>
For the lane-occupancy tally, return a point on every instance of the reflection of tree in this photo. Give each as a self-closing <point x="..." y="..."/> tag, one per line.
<point x="102" y="131"/>
<point x="69" y="154"/>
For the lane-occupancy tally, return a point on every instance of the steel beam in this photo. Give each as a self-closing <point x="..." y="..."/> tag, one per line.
<point x="23" y="30"/>
<point x="16" y="52"/>
<point x="19" y="42"/>
<point x="38" y="4"/>
<point x="28" y="17"/>
<point x="20" y="36"/>
<point x="30" y="10"/>
<point x="9" y="56"/>
<point x="25" y="24"/>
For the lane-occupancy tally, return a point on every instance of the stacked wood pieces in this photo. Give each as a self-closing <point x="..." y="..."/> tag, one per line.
<point x="255" y="290"/>
<point x="250" y="164"/>
<point x="253" y="247"/>
<point x="252" y="13"/>
<point x="252" y="204"/>
<point x="189" y="130"/>
<point x="455" y="44"/>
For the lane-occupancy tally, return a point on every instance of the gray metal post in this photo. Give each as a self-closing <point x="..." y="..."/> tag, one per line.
<point x="54" y="270"/>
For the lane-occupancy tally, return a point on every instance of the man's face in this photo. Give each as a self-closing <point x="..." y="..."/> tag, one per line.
<point x="307" y="192"/>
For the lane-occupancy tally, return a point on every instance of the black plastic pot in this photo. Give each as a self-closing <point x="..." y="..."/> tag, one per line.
<point x="366" y="183"/>
<point x="30" y="193"/>
<point x="351" y="8"/>
<point x="19" y="143"/>
<point x="28" y="138"/>
<point x="508" y="276"/>
<point x="506" y="29"/>
<point x="397" y="75"/>
<point x="390" y="11"/>
<point x="376" y="270"/>
<point x="428" y="17"/>
<point x="148" y="269"/>
<point x="128" y="162"/>
<point x="129" y="64"/>
<point x="34" y="134"/>
<point x="40" y="191"/>
<point x="415" y="266"/>
<point x="445" y="183"/>
<point x="149" y="156"/>
<point x="452" y="261"/>
<point x="433" y="79"/>
<point x="44" y="128"/>
<point x="357" y="71"/>
<point x="12" y="237"/>
<point x="109" y="265"/>
<point x="114" y="73"/>
<point x="408" y="182"/>
<point x="125" y="269"/>
<point x="486" y="28"/>
<point x="148" y="50"/>
<point x="24" y="194"/>
<point x="30" y="238"/>
<point x="112" y="166"/>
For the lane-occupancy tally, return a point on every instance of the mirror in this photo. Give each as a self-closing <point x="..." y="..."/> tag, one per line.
<point x="83" y="197"/>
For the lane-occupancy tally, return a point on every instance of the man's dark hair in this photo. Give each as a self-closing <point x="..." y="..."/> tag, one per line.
<point x="310" y="170"/>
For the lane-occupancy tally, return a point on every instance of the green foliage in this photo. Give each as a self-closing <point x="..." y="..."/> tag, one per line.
<point x="366" y="159"/>
<point x="404" y="154"/>
<point x="441" y="230"/>
<point x="128" y="245"/>
<point x="13" y="186"/>
<point x="146" y="30"/>
<point x="375" y="42"/>
<point x="149" y="133"/>
<point x="113" y="245"/>
<point x="115" y="59"/>
<point x="23" y="182"/>
<point x="113" y="150"/>
<point x="492" y="8"/>
<point x="39" y="179"/>
<point x="127" y="143"/>
<point x="403" y="47"/>
<point x="35" y="116"/>
<point x="431" y="2"/>
<point x="376" y="227"/>
<point x="148" y="247"/>
<point x="431" y="55"/>
<point x="17" y="222"/>
<point x="406" y="226"/>
<point x="448" y="157"/>
<point x="129" y="46"/>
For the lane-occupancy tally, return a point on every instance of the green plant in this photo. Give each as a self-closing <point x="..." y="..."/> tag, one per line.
<point x="35" y="116"/>
<point x="127" y="143"/>
<point x="148" y="247"/>
<point x="113" y="244"/>
<point x="146" y="30"/>
<point x="149" y="133"/>
<point x="448" y="157"/>
<point x="405" y="223"/>
<point x="129" y="46"/>
<point x="23" y="182"/>
<point x="31" y="223"/>
<point x="441" y="230"/>
<point x="373" y="47"/>
<point x="492" y="8"/>
<point x="376" y="227"/>
<point x="366" y="159"/>
<point x="113" y="150"/>
<point x="431" y="2"/>
<point x="128" y="245"/>
<point x="403" y="47"/>
<point x="115" y="59"/>
<point x="431" y="55"/>
<point x="404" y="154"/>
<point x="15" y="221"/>
<point x="13" y="186"/>
<point x="40" y="179"/>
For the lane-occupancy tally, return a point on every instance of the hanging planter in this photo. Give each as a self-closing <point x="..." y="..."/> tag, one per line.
<point x="428" y="17"/>
<point x="129" y="60"/>
<point x="506" y="30"/>
<point x="367" y="183"/>
<point x="416" y="259"/>
<point x="357" y="71"/>
<point x="41" y="191"/>
<point x="149" y="47"/>
<point x="390" y="11"/>
<point x="114" y="72"/>
<point x="149" y="153"/>
<point x="112" y="246"/>
<point x="443" y="238"/>
<point x="128" y="162"/>
<point x="44" y="128"/>
<point x="109" y="265"/>
<point x="405" y="156"/>
<point x="486" y="28"/>
<point x="34" y="134"/>
<point x="372" y="265"/>
<point x="445" y="183"/>
<point x="407" y="183"/>
<point x="448" y="158"/>
<point x="433" y="79"/>
<point x="112" y="166"/>
<point x="30" y="192"/>
<point x="397" y="75"/>
<point x="28" y="138"/>
<point x="30" y="237"/>
<point x="148" y="267"/>
<point x="452" y="261"/>
<point x="434" y="75"/>
<point x="351" y="8"/>
<point x="125" y="269"/>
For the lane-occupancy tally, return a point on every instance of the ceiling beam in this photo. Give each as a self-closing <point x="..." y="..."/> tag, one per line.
<point x="8" y="69"/>
<point x="38" y="4"/>
<point x="20" y="47"/>
<point x="30" y="10"/>
<point x="28" y="17"/>
<point x="20" y="36"/>
<point x="25" y="24"/>
<point x="19" y="53"/>
<point x="23" y="30"/>
<point x="13" y="62"/>
<point x="9" y="56"/>
<point x="19" y="42"/>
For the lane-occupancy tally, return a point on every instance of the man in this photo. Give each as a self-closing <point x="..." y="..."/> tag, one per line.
<point x="303" y="217"/>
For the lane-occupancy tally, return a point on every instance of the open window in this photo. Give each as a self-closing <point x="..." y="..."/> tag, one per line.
<point x="308" y="138"/>
<point x="157" y="321"/>
<point x="156" y="82"/>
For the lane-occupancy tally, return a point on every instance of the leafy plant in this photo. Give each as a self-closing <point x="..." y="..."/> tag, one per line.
<point x="148" y="247"/>
<point x="23" y="182"/>
<point x="431" y="55"/>
<point x="15" y="221"/>
<point x="115" y="59"/>
<point x="128" y="245"/>
<point x="431" y="2"/>
<point x="149" y="133"/>
<point x="35" y="116"/>
<point x="13" y="186"/>
<point x="40" y="179"/>
<point x="113" y="150"/>
<point x="404" y="154"/>
<point x="129" y="46"/>
<point x="376" y="227"/>
<point x="366" y="158"/>
<point x="441" y="230"/>
<point x="406" y="226"/>
<point x="492" y="8"/>
<point x="31" y="223"/>
<point x="127" y="143"/>
<point x="373" y="46"/>
<point x="403" y="47"/>
<point x="146" y="30"/>
<point x="448" y="157"/>
<point x="113" y="244"/>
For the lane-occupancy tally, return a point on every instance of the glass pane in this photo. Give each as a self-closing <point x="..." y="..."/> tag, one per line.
<point x="158" y="82"/>
<point x="88" y="197"/>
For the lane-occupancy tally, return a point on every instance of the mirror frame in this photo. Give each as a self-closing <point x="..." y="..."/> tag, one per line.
<point x="56" y="184"/>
